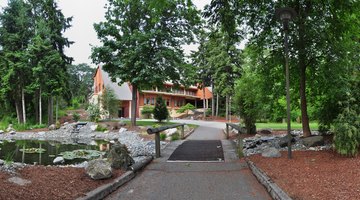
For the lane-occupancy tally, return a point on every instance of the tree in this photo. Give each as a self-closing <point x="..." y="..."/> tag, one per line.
<point x="160" y="110"/>
<point x="316" y="32"/>
<point x="109" y="102"/>
<point x="80" y="81"/>
<point x="142" y="42"/>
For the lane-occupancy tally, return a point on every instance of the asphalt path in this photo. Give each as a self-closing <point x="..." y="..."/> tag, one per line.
<point x="231" y="179"/>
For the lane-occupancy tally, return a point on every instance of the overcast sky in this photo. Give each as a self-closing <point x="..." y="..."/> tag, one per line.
<point x="85" y="13"/>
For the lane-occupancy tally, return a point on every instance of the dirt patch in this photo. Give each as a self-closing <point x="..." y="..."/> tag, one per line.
<point x="314" y="175"/>
<point x="50" y="182"/>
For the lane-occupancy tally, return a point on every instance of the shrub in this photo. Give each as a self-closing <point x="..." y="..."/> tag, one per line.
<point x="100" y="128"/>
<point x="175" y="136"/>
<point x="57" y="124"/>
<point x="93" y="112"/>
<point x="186" y="108"/>
<point x="76" y="116"/>
<point x="160" y="110"/>
<point x="162" y="136"/>
<point x="147" y="111"/>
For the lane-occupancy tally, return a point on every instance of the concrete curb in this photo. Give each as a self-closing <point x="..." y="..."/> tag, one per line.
<point x="189" y="133"/>
<point x="104" y="190"/>
<point x="274" y="190"/>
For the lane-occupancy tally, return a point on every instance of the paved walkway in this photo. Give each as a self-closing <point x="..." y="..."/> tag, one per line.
<point x="231" y="179"/>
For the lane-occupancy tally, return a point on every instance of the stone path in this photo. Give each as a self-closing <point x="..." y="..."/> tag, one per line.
<point x="231" y="179"/>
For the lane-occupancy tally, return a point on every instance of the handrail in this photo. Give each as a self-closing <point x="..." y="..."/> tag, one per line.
<point x="241" y="130"/>
<point x="157" y="131"/>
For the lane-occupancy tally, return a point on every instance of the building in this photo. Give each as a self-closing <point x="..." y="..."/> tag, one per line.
<point x="174" y="96"/>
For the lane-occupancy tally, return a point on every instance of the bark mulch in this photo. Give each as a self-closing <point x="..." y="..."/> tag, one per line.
<point x="50" y="182"/>
<point x="314" y="174"/>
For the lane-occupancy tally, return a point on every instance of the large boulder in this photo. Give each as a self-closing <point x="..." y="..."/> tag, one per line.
<point x="52" y="127"/>
<point x="1" y="131"/>
<point x="271" y="152"/>
<point x="58" y="160"/>
<point x="119" y="156"/>
<point x="99" y="169"/>
<point x="122" y="130"/>
<point x="283" y="142"/>
<point x="313" y="141"/>
<point x="10" y="128"/>
<point x="170" y="132"/>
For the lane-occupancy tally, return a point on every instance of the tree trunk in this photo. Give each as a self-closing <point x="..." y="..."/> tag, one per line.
<point x="57" y="109"/>
<point x="18" y="111"/>
<point x="212" y="100"/>
<point x="302" y="67"/>
<point x="50" y="111"/>
<point x="40" y="108"/>
<point x="36" y="106"/>
<point x="204" y="103"/>
<point x="133" y="105"/>
<point x="23" y="105"/>
<point x="217" y="104"/>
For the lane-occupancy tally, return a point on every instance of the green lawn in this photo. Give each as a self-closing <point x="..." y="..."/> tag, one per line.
<point x="150" y="123"/>
<point x="283" y="126"/>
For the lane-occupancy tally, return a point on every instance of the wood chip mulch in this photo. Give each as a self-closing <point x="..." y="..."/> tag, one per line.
<point x="50" y="182"/>
<point x="314" y="175"/>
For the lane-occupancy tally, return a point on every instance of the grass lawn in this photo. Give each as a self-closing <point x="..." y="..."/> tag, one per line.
<point x="283" y="126"/>
<point x="150" y="123"/>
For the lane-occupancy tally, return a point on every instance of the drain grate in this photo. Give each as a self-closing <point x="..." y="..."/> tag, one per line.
<point x="198" y="151"/>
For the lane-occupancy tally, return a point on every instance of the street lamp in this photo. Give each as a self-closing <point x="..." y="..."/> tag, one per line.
<point x="285" y="15"/>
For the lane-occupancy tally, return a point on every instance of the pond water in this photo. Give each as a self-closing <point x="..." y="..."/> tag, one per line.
<point x="44" y="152"/>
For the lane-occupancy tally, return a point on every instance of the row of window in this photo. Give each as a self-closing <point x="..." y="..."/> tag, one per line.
<point x="151" y="101"/>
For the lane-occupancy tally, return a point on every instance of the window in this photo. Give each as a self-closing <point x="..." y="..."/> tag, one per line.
<point x="152" y="101"/>
<point x="167" y="102"/>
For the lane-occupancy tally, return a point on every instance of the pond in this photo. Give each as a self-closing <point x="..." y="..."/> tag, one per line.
<point x="44" y="152"/>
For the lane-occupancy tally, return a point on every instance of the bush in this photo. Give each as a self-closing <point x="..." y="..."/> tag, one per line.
<point x="162" y="136"/>
<point x="100" y="128"/>
<point x="147" y="111"/>
<point x="186" y="108"/>
<point x="175" y="136"/>
<point x="76" y="116"/>
<point x="93" y="112"/>
<point x="57" y="124"/>
<point x="160" y="110"/>
<point x="347" y="132"/>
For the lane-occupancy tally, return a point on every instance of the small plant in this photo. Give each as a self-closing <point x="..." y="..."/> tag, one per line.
<point x="76" y="116"/>
<point x="162" y="136"/>
<point x="175" y="136"/>
<point x="9" y="158"/>
<point x="57" y="124"/>
<point x="94" y="112"/>
<point x="100" y="128"/>
<point x="147" y="111"/>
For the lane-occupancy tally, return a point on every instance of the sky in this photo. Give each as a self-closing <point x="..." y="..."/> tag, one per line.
<point x="85" y="13"/>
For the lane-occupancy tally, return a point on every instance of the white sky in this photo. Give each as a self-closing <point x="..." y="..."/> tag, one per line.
<point x="85" y="13"/>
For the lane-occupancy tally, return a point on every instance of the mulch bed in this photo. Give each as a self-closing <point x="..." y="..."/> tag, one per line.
<point x="50" y="182"/>
<point x="314" y="174"/>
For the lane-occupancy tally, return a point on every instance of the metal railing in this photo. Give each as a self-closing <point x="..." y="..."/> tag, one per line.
<point x="241" y="130"/>
<point x="157" y="131"/>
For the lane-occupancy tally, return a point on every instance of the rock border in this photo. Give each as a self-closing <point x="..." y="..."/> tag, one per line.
<point x="104" y="190"/>
<point x="273" y="189"/>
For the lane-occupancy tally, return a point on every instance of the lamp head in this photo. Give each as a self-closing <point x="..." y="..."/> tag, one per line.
<point x="285" y="14"/>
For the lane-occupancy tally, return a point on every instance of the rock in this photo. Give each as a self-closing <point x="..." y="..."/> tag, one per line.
<point x="66" y="123"/>
<point x="170" y="132"/>
<point x="283" y="142"/>
<point x="58" y="160"/>
<point x="2" y="162"/>
<point x="121" y="123"/>
<point x="10" y="128"/>
<point x="119" y="156"/>
<point x="313" y="141"/>
<point x="1" y="131"/>
<point x="93" y="127"/>
<point x="42" y="133"/>
<point x="12" y="132"/>
<point x="265" y="131"/>
<point x="271" y="152"/>
<point x="19" y="181"/>
<point x="122" y="130"/>
<point x="52" y="127"/>
<point x="99" y="169"/>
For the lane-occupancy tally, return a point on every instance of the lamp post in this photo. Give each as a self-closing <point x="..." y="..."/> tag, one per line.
<point x="285" y="15"/>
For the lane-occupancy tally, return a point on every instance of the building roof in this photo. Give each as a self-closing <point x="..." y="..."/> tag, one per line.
<point x="122" y="92"/>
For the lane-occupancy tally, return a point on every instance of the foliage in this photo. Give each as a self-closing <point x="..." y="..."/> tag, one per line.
<point x="142" y="42"/>
<point x="76" y="116"/>
<point x="57" y="124"/>
<point x="100" y="128"/>
<point x="109" y="102"/>
<point x="186" y="108"/>
<point x="175" y="136"/>
<point x="147" y="111"/>
<point x="94" y="112"/>
<point x="80" y="83"/>
<point x="160" y="111"/>
<point x="33" y="150"/>
<point x="162" y="136"/>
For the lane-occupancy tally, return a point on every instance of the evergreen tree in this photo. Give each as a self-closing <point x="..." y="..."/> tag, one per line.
<point x="160" y="111"/>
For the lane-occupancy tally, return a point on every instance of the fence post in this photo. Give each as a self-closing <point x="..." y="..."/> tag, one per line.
<point x="227" y="131"/>
<point x="157" y="144"/>
<point x="240" y="145"/>
<point x="182" y="132"/>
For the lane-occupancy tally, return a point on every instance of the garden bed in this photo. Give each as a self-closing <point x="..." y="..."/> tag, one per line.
<point x="50" y="183"/>
<point x="313" y="175"/>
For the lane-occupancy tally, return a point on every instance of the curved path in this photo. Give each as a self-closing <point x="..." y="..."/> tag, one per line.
<point x="231" y="179"/>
